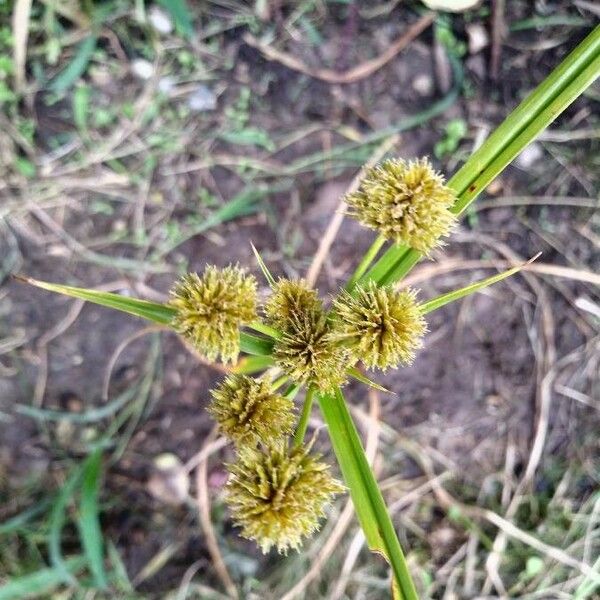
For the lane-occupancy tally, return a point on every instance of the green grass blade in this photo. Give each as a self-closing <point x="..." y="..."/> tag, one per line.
<point x="41" y="583"/>
<point x="119" y="573"/>
<point x="444" y="299"/>
<point x="20" y="521"/>
<point x="58" y="517"/>
<point x="153" y="311"/>
<point x="76" y="68"/>
<point x="90" y="416"/>
<point x="560" y="89"/>
<point x="89" y="523"/>
<point x="366" y="496"/>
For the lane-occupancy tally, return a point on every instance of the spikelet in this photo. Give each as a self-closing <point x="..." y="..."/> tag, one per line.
<point x="307" y="354"/>
<point x="278" y="495"/>
<point x="211" y="308"/>
<point x="405" y="202"/>
<point x="290" y="298"/>
<point x="248" y="411"/>
<point x="380" y="326"/>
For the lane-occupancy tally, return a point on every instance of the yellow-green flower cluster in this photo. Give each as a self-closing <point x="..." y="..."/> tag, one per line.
<point x="211" y="308"/>
<point x="248" y="411"/>
<point x="381" y="327"/>
<point x="277" y="495"/>
<point x="305" y="351"/>
<point x="406" y="202"/>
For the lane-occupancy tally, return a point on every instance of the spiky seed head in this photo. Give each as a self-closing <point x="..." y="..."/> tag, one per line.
<point x="289" y="298"/>
<point x="211" y="308"/>
<point x="381" y="327"/>
<point x="407" y="202"/>
<point x="278" y="495"/>
<point x="307" y="354"/>
<point x="248" y="411"/>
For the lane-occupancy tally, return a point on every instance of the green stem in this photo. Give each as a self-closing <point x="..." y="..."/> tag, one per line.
<point x="304" y="416"/>
<point x="366" y="261"/>
<point x="367" y="499"/>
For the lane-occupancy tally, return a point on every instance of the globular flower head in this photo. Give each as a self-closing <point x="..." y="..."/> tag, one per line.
<point x="211" y="308"/>
<point x="278" y="495"/>
<point x="307" y="353"/>
<point x="290" y="298"/>
<point x="406" y="202"/>
<point x="248" y="411"/>
<point x="381" y="327"/>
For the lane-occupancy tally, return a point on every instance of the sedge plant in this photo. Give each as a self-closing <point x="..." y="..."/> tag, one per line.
<point x="279" y="487"/>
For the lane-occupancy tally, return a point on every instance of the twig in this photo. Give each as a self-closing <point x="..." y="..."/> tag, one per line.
<point x="203" y="501"/>
<point x="355" y="74"/>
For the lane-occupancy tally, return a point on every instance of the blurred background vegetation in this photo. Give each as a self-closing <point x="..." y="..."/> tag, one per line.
<point x="143" y="139"/>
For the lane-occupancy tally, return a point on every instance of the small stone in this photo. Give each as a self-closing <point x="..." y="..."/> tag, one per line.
<point x="166" y="84"/>
<point x="142" y="69"/>
<point x="202" y="99"/>
<point x="423" y="85"/>
<point x="530" y="156"/>
<point x="160" y="20"/>
<point x="170" y="482"/>
<point x="478" y="37"/>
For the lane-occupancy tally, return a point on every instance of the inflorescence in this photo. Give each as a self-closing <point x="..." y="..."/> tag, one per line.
<point x="278" y="492"/>
<point x="406" y="202"/>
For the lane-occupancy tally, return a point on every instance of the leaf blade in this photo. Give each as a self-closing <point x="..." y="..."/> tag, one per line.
<point x="472" y="288"/>
<point x="366" y="496"/>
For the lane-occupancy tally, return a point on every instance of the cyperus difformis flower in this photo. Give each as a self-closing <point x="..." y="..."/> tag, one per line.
<point x="382" y="327"/>
<point x="248" y="411"/>
<point x="289" y="298"/>
<point x="406" y="202"/>
<point x="277" y="495"/>
<point x="211" y="308"/>
<point x="307" y="354"/>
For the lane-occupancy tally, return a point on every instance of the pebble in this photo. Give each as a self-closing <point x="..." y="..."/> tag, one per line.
<point x="423" y="84"/>
<point x="530" y="156"/>
<point x="478" y="37"/>
<point x="142" y="69"/>
<point x="160" y="20"/>
<point x="202" y="99"/>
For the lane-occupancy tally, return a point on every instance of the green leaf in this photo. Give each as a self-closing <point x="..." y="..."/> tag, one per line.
<point x="444" y="299"/>
<point x="81" y="104"/>
<point x="568" y="81"/>
<point x="76" y="68"/>
<point x="40" y="583"/>
<point x="153" y="311"/>
<point x="58" y="517"/>
<point x="249" y="365"/>
<point x="263" y="267"/>
<point x="356" y="374"/>
<point x="366" y="496"/>
<point x="89" y="524"/>
<point x="252" y="344"/>
<point x="250" y="136"/>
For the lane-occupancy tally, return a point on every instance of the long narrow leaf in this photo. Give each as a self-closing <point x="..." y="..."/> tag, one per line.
<point x="89" y="524"/>
<point x="444" y="299"/>
<point x="41" y="583"/>
<point x="153" y="311"/>
<point x="366" y="497"/>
